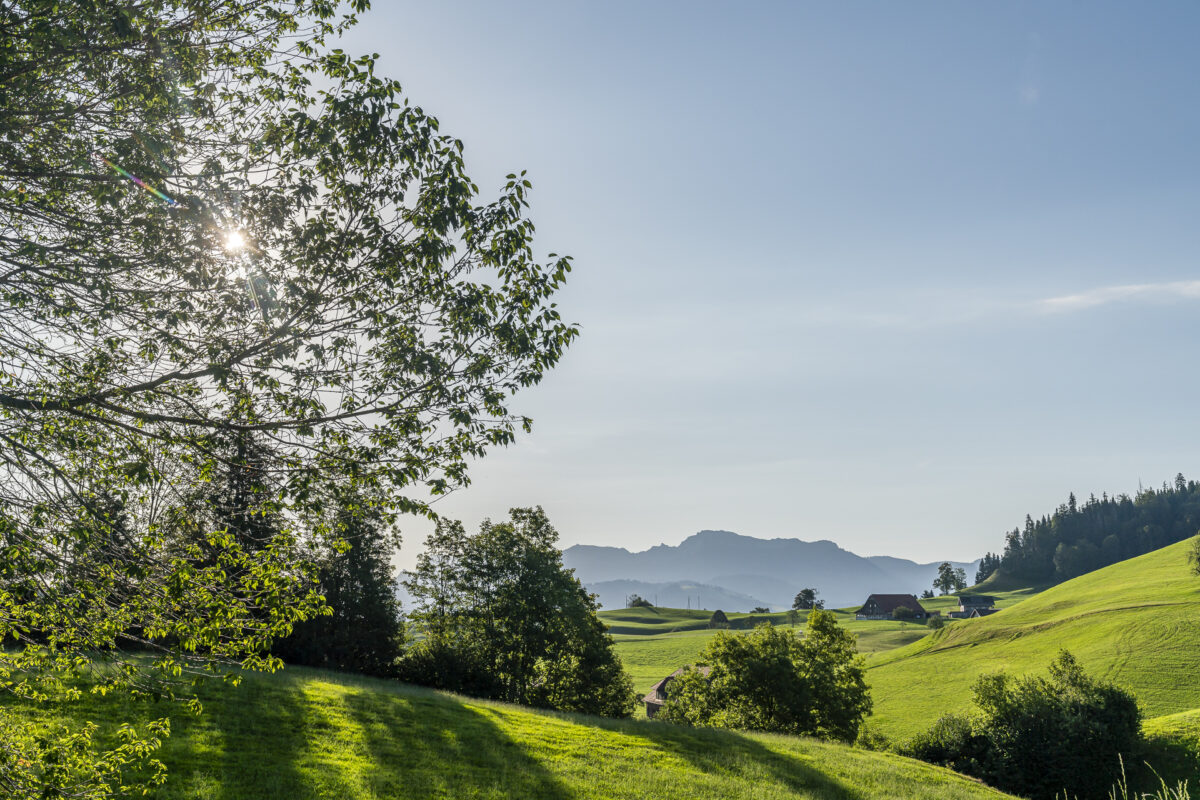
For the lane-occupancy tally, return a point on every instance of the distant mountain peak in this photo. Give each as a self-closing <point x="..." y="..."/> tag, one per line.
<point x="770" y="569"/>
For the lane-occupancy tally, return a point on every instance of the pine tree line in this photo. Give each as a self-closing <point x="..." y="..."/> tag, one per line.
<point x="1077" y="539"/>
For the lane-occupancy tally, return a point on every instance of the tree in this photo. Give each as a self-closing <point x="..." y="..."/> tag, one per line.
<point x="363" y="633"/>
<point x="215" y="225"/>
<point x="935" y="622"/>
<point x="927" y="594"/>
<point x="503" y="618"/>
<point x="772" y="680"/>
<point x="903" y="613"/>
<point x="637" y="601"/>
<point x="987" y="567"/>
<point x="807" y="599"/>
<point x="241" y="497"/>
<point x="1194" y="555"/>
<point x="1037" y="736"/>
<point x="1101" y="531"/>
<point x="718" y="620"/>
<point x="950" y="579"/>
<point x="760" y="610"/>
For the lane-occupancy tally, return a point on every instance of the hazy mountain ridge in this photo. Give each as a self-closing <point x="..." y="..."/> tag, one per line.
<point x="763" y="571"/>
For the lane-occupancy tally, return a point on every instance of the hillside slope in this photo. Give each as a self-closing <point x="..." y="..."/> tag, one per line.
<point x="304" y="735"/>
<point x="654" y="642"/>
<point x="1134" y="623"/>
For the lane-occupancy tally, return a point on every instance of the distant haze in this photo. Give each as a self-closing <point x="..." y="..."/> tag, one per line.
<point x="721" y="569"/>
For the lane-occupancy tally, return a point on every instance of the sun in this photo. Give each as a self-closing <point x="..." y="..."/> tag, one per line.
<point x="235" y="240"/>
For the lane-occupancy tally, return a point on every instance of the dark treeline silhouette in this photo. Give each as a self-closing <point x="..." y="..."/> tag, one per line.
<point x="987" y="565"/>
<point x="1078" y="538"/>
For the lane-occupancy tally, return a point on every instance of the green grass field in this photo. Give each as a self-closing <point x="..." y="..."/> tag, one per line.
<point x="649" y="621"/>
<point x="654" y="642"/>
<point x="1134" y="623"/>
<point x="304" y="735"/>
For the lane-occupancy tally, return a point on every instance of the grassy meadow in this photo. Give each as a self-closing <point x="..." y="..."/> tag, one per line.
<point x="654" y="642"/>
<point x="1134" y="623"/>
<point x="304" y="735"/>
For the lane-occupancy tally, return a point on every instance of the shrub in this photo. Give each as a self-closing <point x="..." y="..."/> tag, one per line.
<point x="870" y="738"/>
<point x="718" y="620"/>
<point x="936" y="622"/>
<point x="903" y="612"/>
<point x="772" y="680"/>
<point x="637" y="601"/>
<point x="1038" y="737"/>
<point x="950" y="742"/>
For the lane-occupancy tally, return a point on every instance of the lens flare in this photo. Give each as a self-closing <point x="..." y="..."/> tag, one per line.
<point x="138" y="181"/>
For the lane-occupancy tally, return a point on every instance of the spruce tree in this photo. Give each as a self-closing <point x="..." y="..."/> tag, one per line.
<point x="363" y="632"/>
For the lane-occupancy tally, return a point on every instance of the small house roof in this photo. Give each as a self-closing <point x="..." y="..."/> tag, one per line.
<point x="658" y="692"/>
<point x="976" y="600"/>
<point x="887" y="603"/>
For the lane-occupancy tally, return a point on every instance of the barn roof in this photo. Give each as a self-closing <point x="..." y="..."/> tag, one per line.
<point x="658" y="692"/>
<point x="887" y="603"/>
<point x="976" y="600"/>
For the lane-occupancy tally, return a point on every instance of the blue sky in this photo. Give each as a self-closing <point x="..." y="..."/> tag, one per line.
<point x="891" y="274"/>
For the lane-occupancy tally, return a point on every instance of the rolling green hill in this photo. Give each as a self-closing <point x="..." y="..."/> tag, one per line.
<point x="1134" y="623"/>
<point x="304" y="735"/>
<point x="649" y="621"/>
<point x="654" y="642"/>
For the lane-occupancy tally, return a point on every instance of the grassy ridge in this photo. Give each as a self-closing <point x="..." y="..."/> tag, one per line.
<point x="648" y="658"/>
<point x="304" y="735"/>
<point x="1133" y="623"/>
<point x="654" y="642"/>
<point x="650" y="621"/>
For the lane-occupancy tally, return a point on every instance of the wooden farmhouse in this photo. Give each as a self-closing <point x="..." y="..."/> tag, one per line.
<point x="657" y="695"/>
<point x="883" y="606"/>
<point x="974" y="605"/>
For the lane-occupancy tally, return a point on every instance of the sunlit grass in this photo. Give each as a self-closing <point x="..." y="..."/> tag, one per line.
<point x="654" y="642"/>
<point x="1134" y="623"/>
<point x="303" y="735"/>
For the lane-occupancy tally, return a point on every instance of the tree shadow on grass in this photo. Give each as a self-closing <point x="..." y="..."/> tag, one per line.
<point x="423" y="744"/>
<point x="731" y="755"/>
<point x="288" y="737"/>
<point x="247" y="743"/>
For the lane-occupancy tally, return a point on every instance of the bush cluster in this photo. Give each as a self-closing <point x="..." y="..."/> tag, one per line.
<point x="773" y="680"/>
<point x="1038" y="737"/>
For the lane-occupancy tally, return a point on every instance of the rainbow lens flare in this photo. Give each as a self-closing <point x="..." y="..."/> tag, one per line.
<point x="168" y="200"/>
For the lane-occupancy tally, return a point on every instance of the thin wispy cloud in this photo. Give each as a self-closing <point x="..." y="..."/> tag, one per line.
<point x="1105" y="295"/>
